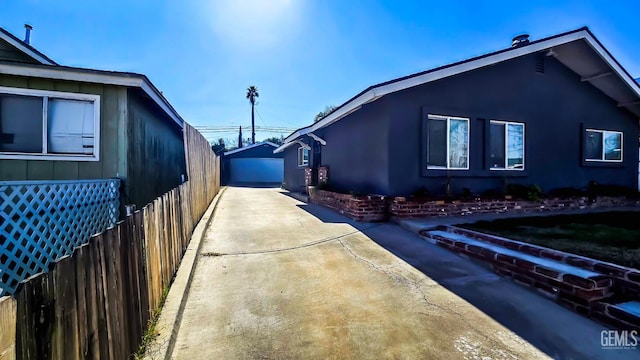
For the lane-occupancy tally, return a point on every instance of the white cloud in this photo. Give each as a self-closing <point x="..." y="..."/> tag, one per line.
<point x="255" y="23"/>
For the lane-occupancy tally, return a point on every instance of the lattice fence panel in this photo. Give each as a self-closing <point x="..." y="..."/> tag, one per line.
<point x="44" y="221"/>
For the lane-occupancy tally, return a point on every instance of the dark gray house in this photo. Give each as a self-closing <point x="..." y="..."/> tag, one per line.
<point x="255" y="163"/>
<point x="557" y="112"/>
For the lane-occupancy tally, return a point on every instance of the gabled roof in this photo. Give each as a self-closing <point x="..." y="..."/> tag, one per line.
<point x="48" y="69"/>
<point x="579" y="50"/>
<point x="25" y="48"/>
<point x="252" y="146"/>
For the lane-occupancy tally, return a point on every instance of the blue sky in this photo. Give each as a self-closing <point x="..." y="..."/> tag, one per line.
<point x="301" y="54"/>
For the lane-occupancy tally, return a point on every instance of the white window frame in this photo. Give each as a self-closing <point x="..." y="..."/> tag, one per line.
<point x="448" y="120"/>
<point x="301" y="160"/>
<point x="45" y="95"/>
<point x="603" y="154"/>
<point x="506" y="145"/>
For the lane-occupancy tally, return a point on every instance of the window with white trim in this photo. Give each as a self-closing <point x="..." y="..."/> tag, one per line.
<point x="603" y="145"/>
<point x="49" y="125"/>
<point x="447" y="142"/>
<point x="303" y="156"/>
<point x="506" y="145"/>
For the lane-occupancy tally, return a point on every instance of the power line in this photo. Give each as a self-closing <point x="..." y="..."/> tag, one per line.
<point x="260" y="116"/>
<point x="236" y="125"/>
<point x="234" y="128"/>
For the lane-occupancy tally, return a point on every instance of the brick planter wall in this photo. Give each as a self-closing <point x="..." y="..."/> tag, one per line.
<point x="408" y="208"/>
<point x="595" y="296"/>
<point x="366" y="208"/>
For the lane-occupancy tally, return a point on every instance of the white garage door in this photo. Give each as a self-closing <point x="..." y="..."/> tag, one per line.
<point x="256" y="170"/>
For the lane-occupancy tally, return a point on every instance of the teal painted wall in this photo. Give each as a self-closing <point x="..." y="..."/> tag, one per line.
<point x="138" y="143"/>
<point x="113" y="152"/>
<point x="10" y="53"/>
<point x="155" y="151"/>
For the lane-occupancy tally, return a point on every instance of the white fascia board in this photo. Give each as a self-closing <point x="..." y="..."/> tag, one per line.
<point x="303" y="145"/>
<point x="613" y="64"/>
<point x="159" y="99"/>
<point x="109" y="79"/>
<point x="251" y="147"/>
<point x="383" y="90"/>
<point x="26" y="50"/>
<point x="350" y="107"/>
<point x="479" y="63"/>
<point x="66" y="74"/>
<point x="269" y="143"/>
<point x="317" y="138"/>
<point x="282" y="147"/>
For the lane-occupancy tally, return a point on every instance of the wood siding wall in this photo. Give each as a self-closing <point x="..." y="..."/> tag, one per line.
<point x="10" y="53"/>
<point x="155" y="152"/>
<point x="96" y="303"/>
<point x="112" y="122"/>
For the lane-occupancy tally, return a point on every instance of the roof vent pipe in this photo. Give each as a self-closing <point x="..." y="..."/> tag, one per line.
<point x="27" y="35"/>
<point x="520" y="40"/>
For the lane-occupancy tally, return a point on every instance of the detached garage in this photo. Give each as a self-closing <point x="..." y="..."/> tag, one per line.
<point x="254" y="164"/>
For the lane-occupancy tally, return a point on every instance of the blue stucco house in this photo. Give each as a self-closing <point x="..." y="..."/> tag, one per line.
<point x="557" y="112"/>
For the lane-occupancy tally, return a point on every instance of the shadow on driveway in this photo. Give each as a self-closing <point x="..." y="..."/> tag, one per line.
<point x="553" y="329"/>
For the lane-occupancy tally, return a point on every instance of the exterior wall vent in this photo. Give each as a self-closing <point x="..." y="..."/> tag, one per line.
<point x="540" y="63"/>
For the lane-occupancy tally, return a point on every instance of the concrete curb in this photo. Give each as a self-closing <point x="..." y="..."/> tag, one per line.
<point x="171" y="315"/>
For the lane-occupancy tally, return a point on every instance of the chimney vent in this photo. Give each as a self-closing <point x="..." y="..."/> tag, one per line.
<point x="27" y="35"/>
<point x="520" y="40"/>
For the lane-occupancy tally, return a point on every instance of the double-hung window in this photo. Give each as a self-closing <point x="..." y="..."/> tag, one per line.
<point x="603" y="145"/>
<point x="506" y="145"/>
<point x="49" y="125"/>
<point x="303" y="156"/>
<point x="447" y="142"/>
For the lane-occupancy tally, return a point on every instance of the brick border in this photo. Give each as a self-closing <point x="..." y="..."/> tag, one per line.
<point x="368" y="208"/>
<point x="403" y="207"/>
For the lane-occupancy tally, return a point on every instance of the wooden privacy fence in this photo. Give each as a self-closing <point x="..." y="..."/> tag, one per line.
<point x="205" y="183"/>
<point x="96" y="302"/>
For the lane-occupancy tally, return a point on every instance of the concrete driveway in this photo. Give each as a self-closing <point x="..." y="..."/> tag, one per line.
<point x="279" y="279"/>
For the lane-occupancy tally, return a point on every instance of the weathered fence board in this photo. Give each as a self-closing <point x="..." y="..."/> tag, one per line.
<point x="81" y="299"/>
<point x="100" y="311"/>
<point x="96" y="303"/>
<point x="37" y="319"/>
<point x="67" y="303"/>
<point x="8" y="327"/>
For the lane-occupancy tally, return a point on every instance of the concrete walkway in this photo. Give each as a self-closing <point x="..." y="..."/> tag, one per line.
<point x="280" y="279"/>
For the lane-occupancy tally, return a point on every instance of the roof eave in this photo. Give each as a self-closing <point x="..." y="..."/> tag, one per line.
<point x="377" y="91"/>
<point x="95" y="76"/>
<point x="25" y="48"/>
<point x="252" y="146"/>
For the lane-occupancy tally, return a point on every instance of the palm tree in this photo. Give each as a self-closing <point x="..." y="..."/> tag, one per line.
<point x="252" y="94"/>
